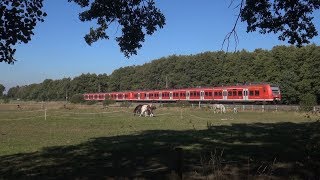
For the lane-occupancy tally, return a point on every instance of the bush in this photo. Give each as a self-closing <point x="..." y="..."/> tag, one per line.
<point x="91" y="102"/>
<point x="183" y="104"/>
<point x="125" y="104"/>
<point x="307" y="102"/>
<point x="77" y="98"/>
<point x="6" y="100"/>
<point x="107" y="102"/>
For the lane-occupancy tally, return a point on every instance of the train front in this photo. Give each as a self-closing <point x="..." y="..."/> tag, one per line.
<point x="276" y="93"/>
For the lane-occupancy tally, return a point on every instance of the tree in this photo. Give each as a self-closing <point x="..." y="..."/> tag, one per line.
<point x="291" y="18"/>
<point x="137" y="18"/>
<point x="17" y="21"/>
<point x="2" y="88"/>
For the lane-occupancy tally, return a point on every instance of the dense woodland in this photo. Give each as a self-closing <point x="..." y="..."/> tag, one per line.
<point x="295" y="70"/>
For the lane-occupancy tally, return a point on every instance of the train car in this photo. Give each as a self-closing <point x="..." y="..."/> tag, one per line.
<point x="237" y="93"/>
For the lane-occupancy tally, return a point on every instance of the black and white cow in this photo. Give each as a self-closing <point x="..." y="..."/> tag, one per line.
<point x="144" y="109"/>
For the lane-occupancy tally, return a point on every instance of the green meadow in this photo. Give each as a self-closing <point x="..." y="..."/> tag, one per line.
<point x="195" y="143"/>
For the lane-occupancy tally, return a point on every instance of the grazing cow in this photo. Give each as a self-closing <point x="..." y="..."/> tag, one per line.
<point x="144" y="109"/>
<point x="219" y="108"/>
<point x="137" y="110"/>
<point x="235" y="110"/>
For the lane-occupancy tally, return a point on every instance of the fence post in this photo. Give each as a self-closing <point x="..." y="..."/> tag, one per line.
<point x="252" y="107"/>
<point x="262" y="108"/>
<point x="243" y="107"/>
<point x="45" y="114"/>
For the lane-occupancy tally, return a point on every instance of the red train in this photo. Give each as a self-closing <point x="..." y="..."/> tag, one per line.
<point x="237" y="93"/>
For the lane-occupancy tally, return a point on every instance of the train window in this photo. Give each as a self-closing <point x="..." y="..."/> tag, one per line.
<point x="206" y="94"/>
<point x="256" y="93"/>
<point x="239" y="93"/>
<point x="229" y="93"/>
<point x="220" y="93"/>
<point x="198" y="94"/>
<point x="250" y="93"/>
<point x="216" y="93"/>
<point x="210" y="93"/>
<point x="95" y="96"/>
<point x="234" y="93"/>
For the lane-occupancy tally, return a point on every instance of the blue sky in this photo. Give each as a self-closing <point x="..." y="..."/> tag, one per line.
<point x="58" y="49"/>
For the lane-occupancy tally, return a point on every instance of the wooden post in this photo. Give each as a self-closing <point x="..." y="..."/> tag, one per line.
<point x="45" y="114"/>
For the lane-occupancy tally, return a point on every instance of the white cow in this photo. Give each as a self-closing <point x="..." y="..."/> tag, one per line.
<point x="219" y="108"/>
<point x="145" y="110"/>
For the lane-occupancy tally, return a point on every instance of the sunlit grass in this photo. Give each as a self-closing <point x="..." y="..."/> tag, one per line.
<point x="25" y="131"/>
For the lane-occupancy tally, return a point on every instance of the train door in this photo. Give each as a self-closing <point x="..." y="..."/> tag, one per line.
<point x="224" y="94"/>
<point x="188" y="95"/>
<point x="245" y="94"/>
<point x="116" y="96"/>
<point x="160" y="95"/>
<point x="147" y="96"/>
<point x="201" y="95"/>
<point x="138" y="95"/>
<point x="170" y="95"/>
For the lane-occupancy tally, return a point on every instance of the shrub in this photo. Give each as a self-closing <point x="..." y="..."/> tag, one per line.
<point x="77" y="98"/>
<point x="107" y="102"/>
<point x="125" y="104"/>
<point x="183" y="104"/>
<point x="307" y="102"/>
<point x="6" y="100"/>
<point x="91" y="102"/>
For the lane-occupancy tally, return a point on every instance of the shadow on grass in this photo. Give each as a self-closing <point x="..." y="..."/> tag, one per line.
<point x="151" y="154"/>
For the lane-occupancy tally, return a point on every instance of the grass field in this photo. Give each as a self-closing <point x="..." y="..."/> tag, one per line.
<point x="112" y="143"/>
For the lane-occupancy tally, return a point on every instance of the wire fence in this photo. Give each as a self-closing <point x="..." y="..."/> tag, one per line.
<point x="44" y="113"/>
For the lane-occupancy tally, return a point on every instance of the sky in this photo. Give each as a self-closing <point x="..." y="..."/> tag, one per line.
<point x="58" y="49"/>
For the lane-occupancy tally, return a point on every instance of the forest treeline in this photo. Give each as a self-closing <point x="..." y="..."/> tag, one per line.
<point x="295" y="70"/>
